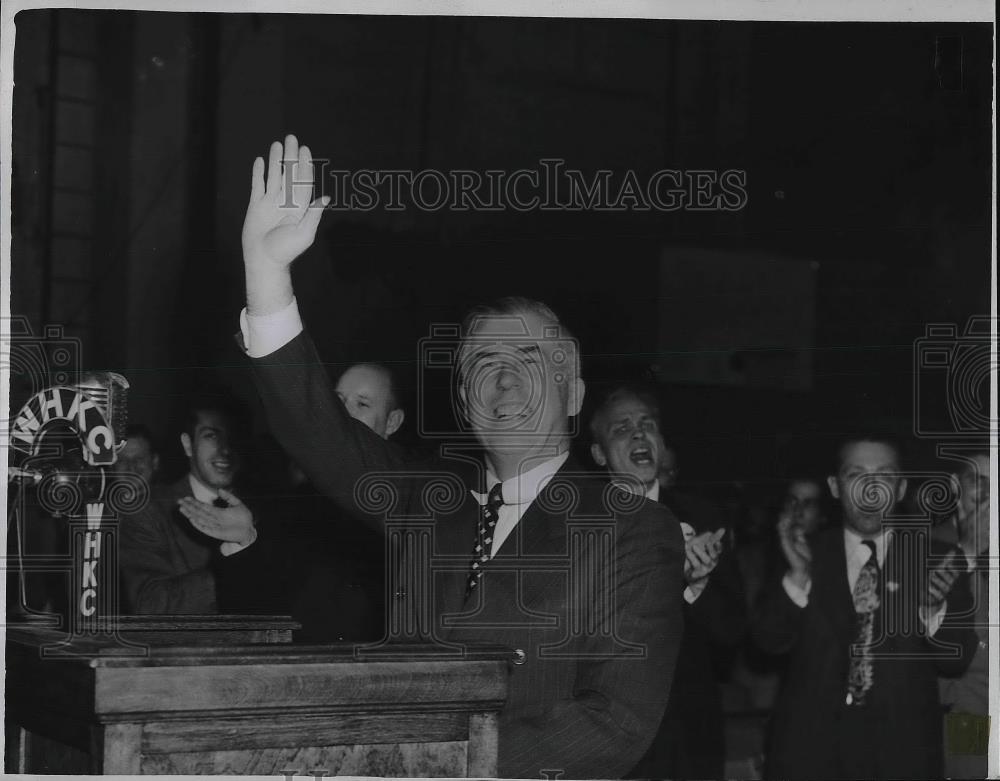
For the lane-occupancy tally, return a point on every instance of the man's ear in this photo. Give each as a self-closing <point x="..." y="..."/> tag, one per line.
<point x="393" y="422"/>
<point x="156" y="462"/>
<point x="831" y="481"/>
<point x="901" y="490"/>
<point x="574" y="402"/>
<point x="597" y="453"/>
<point x="186" y="444"/>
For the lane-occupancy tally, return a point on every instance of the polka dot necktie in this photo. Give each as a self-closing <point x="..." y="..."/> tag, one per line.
<point x="484" y="537"/>
<point x="866" y="602"/>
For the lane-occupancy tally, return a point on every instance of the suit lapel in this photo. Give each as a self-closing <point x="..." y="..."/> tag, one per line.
<point x="191" y="545"/>
<point x="831" y="590"/>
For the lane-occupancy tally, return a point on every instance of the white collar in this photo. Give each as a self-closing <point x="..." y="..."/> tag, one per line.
<point x="524" y="487"/>
<point x="853" y="542"/>
<point x="632" y="486"/>
<point x="200" y="491"/>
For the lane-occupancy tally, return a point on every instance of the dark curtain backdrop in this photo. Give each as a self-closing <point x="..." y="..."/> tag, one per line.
<point x="866" y="147"/>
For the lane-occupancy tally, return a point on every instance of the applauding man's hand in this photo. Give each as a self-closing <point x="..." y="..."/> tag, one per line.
<point x="939" y="582"/>
<point x="701" y="555"/>
<point x="280" y="224"/>
<point x="796" y="549"/>
<point x="232" y="524"/>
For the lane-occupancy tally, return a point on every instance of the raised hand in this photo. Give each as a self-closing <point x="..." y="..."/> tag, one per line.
<point x="702" y="555"/>
<point x="229" y="524"/>
<point x="795" y="547"/>
<point x="280" y="224"/>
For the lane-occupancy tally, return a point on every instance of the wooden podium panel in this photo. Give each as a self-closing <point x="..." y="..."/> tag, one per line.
<point x="253" y="709"/>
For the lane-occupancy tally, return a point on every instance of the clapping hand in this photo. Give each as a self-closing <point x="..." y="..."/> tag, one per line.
<point x="701" y="554"/>
<point x="973" y="522"/>
<point x="226" y="524"/>
<point x="795" y="547"/>
<point x="939" y="582"/>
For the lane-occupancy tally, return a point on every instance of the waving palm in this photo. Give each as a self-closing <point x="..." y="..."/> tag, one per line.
<point x="281" y="217"/>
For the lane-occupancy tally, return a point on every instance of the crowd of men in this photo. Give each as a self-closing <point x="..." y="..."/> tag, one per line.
<point x="619" y="593"/>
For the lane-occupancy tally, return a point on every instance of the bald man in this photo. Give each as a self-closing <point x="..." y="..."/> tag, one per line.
<point x="369" y="393"/>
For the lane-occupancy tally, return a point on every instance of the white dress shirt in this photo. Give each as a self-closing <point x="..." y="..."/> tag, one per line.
<point x="518" y="493"/>
<point x="203" y="493"/>
<point x="857" y="555"/>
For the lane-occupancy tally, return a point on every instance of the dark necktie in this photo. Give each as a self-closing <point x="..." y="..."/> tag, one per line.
<point x="219" y="502"/>
<point x="866" y="602"/>
<point x="487" y="522"/>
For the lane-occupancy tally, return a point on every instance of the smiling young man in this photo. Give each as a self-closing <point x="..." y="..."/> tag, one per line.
<point x="581" y="704"/>
<point x="168" y="566"/>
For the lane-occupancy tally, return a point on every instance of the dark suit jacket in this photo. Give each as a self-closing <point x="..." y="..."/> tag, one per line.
<point x="587" y="589"/>
<point x="810" y="721"/>
<point x="166" y="562"/>
<point x="690" y="742"/>
<point x="339" y="589"/>
<point x="170" y="568"/>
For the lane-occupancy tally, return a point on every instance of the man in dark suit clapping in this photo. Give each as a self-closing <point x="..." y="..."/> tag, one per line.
<point x="522" y="548"/>
<point x="690" y="741"/>
<point x="870" y="614"/>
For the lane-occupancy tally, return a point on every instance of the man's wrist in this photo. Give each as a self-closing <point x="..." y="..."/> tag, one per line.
<point x="269" y="287"/>
<point x="799" y="578"/>
<point x="797" y="592"/>
<point x="229" y="548"/>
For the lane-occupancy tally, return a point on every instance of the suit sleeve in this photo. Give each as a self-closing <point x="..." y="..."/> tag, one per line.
<point x="623" y="678"/>
<point x="721" y="607"/>
<point x="152" y="585"/>
<point x="335" y="451"/>
<point x="256" y="580"/>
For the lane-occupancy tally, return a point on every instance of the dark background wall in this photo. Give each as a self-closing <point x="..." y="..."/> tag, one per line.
<point x="866" y="147"/>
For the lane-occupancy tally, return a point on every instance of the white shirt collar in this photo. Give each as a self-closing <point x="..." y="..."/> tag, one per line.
<point x="854" y="548"/>
<point x="632" y="486"/>
<point x="524" y="487"/>
<point x="200" y="491"/>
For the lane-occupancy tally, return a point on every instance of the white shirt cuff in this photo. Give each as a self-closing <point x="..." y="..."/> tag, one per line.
<point x="798" y="595"/>
<point x="264" y="334"/>
<point x="933" y="622"/>
<point x="695" y="590"/>
<point x="229" y="548"/>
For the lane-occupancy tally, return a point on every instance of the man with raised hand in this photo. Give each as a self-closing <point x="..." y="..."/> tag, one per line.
<point x="591" y="611"/>
<point x="180" y="551"/>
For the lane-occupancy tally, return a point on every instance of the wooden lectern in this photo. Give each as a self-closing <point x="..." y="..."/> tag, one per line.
<point x="268" y="708"/>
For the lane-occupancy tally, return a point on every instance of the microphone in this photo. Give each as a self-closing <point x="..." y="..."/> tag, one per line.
<point x="109" y="393"/>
